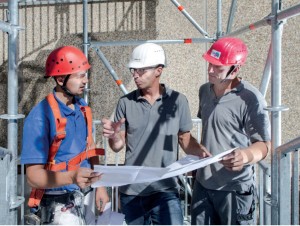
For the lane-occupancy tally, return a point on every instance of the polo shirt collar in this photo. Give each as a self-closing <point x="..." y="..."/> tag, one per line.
<point x="236" y="89"/>
<point x="166" y="92"/>
<point x="63" y="107"/>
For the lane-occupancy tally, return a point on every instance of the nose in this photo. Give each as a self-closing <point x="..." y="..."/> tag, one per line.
<point x="210" y="68"/>
<point x="135" y="74"/>
<point x="85" y="79"/>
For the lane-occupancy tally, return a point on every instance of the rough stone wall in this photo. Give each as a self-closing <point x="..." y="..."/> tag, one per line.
<point x="54" y="25"/>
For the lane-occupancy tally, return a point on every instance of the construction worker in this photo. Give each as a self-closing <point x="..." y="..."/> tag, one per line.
<point x="233" y="116"/>
<point x="58" y="148"/>
<point x="150" y="122"/>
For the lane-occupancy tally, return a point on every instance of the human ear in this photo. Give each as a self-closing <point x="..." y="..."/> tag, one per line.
<point x="159" y="71"/>
<point x="60" y="80"/>
<point x="237" y="68"/>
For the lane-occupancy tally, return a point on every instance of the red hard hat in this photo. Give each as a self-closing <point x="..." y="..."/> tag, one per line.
<point x="227" y="51"/>
<point x="66" y="60"/>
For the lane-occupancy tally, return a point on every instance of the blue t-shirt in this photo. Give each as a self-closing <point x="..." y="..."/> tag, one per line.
<point x="39" y="131"/>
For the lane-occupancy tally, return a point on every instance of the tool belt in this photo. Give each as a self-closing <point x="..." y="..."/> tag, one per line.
<point x="45" y="213"/>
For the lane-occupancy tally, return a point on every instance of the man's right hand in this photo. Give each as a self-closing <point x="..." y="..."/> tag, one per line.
<point x="111" y="129"/>
<point x="84" y="177"/>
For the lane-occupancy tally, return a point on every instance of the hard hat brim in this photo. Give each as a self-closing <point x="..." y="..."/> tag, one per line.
<point x="53" y="73"/>
<point x="140" y="65"/>
<point x="135" y="65"/>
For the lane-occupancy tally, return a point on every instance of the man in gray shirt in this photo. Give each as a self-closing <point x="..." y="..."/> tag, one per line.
<point x="151" y="121"/>
<point x="233" y="116"/>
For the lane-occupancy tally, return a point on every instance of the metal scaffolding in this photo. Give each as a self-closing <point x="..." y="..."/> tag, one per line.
<point x="9" y="198"/>
<point x="273" y="199"/>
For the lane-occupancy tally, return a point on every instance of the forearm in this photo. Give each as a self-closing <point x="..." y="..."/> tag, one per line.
<point x="255" y="152"/>
<point x="41" y="178"/>
<point x="190" y="145"/>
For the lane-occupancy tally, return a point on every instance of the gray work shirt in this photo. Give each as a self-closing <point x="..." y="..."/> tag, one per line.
<point x="236" y="119"/>
<point x="152" y="134"/>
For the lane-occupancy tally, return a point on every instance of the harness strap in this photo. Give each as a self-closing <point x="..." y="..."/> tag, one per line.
<point x="60" y="124"/>
<point x="74" y="163"/>
<point x="87" y="112"/>
<point x="35" y="197"/>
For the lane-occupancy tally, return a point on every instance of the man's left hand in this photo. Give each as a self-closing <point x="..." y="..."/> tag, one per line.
<point x="234" y="161"/>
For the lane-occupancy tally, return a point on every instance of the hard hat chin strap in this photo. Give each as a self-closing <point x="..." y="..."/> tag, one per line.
<point x="64" y="87"/>
<point x="231" y="69"/>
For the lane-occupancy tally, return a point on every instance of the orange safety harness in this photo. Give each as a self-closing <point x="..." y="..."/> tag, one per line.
<point x="36" y="195"/>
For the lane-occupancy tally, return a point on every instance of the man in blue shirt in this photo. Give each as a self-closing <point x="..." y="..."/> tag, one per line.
<point x="62" y="183"/>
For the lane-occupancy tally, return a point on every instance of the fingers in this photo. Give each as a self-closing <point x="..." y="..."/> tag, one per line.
<point x="117" y="125"/>
<point x="110" y="129"/>
<point x="233" y="161"/>
<point x="120" y="122"/>
<point x="205" y="152"/>
<point x="84" y="177"/>
<point x="95" y="178"/>
<point x="233" y="166"/>
<point x="208" y="154"/>
<point x="105" y="120"/>
<point x="101" y="206"/>
<point x="102" y="198"/>
<point x="233" y="156"/>
<point x="107" y="127"/>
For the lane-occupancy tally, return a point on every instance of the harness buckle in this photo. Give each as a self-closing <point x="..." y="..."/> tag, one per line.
<point x="60" y="135"/>
<point x="50" y="164"/>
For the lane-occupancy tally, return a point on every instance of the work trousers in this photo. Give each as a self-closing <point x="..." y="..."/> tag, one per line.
<point x="213" y="207"/>
<point x="162" y="208"/>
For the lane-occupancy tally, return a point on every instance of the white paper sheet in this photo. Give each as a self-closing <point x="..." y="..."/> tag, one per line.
<point x="122" y="175"/>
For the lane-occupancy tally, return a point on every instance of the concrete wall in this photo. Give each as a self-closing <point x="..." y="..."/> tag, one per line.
<point x="50" y="26"/>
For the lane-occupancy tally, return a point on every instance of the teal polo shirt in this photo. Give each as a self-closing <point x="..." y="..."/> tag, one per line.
<point x="152" y="134"/>
<point x="236" y="119"/>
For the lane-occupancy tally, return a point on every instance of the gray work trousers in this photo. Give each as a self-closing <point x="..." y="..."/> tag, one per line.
<point x="213" y="207"/>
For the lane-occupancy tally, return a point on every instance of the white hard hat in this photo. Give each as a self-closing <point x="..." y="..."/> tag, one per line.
<point x="147" y="55"/>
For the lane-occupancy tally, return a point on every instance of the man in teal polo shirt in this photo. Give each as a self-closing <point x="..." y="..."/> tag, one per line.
<point x="233" y="115"/>
<point x="150" y="122"/>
